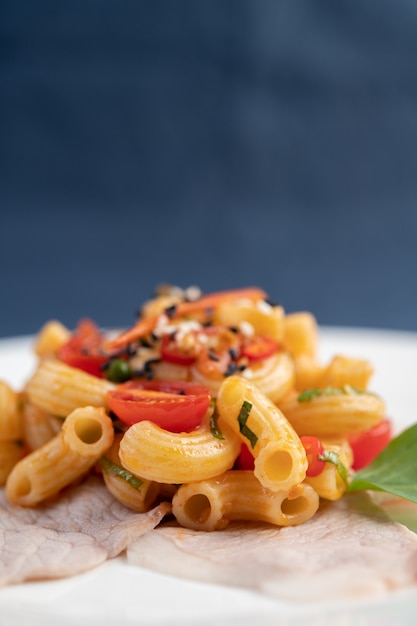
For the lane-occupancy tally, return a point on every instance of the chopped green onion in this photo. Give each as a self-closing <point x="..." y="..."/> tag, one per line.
<point x="242" y="419"/>
<point x="117" y="470"/>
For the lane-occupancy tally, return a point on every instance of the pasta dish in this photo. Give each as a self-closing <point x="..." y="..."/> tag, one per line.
<point x="211" y="410"/>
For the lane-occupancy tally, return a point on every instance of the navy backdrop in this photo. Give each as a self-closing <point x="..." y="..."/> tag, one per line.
<point x="219" y="143"/>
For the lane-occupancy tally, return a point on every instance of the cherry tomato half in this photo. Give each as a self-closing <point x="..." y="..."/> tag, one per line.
<point x="174" y="352"/>
<point x="367" y="445"/>
<point x="313" y="449"/>
<point x="173" y="405"/>
<point x="84" y="349"/>
<point x="259" y="348"/>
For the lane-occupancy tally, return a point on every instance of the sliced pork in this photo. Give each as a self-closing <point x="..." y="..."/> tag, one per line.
<point x="77" y="532"/>
<point x="349" y="549"/>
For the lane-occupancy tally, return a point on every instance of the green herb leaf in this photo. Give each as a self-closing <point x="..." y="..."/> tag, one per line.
<point x="330" y="456"/>
<point x="394" y="470"/>
<point x="310" y="394"/>
<point x="214" y="429"/>
<point x="242" y="419"/>
<point x="119" y="471"/>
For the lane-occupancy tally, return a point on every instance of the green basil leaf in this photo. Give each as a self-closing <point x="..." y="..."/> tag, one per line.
<point x="214" y="428"/>
<point x="242" y="419"/>
<point x="116" y="470"/>
<point x="330" y="456"/>
<point x="394" y="470"/>
<point x="309" y="394"/>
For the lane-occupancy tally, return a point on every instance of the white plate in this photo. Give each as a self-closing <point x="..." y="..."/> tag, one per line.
<point x="117" y="593"/>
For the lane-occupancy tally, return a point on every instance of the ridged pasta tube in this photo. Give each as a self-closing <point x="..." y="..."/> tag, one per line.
<point x="280" y="458"/>
<point x="301" y="334"/>
<point x="275" y="376"/>
<point x="156" y="454"/>
<point x="11" y="423"/>
<point x="39" y="426"/>
<point x="263" y="318"/>
<point x="138" y="495"/>
<point x="334" y="413"/>
<point x="86" y="434"/>
<point x="344" y="370"/>
<point x="50" y="338"/>
<point x="308" y="372"/>
<point x="10" y="453"/>
<point x="238" y="495"/>
<point x="58" y="388"/>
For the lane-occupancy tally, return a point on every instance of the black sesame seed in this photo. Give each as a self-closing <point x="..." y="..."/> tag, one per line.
<point x="232" y="368"/>
<point x="131" y="349"/>
<point x="171" y="310"/>
<point x="147" y="366"/>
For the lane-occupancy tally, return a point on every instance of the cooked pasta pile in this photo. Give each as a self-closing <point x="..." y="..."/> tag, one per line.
<point x="216" y="403"/>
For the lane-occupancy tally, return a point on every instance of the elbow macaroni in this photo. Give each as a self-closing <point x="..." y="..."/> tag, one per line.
<point x="10" y="454"/>
<point x="333" y="415"/>
<point x="258" y="317"/>
<point x="238" y="495"/>
<point x="139" y="496"/>
<point x="275" y="377"/>
<point x="149" y="451"/>
<point x="280" y="459"/>
<point x="50" y="338"/>
<point x="86" y="434"/>
<point x="38" y="426"/>
<point x="11" y="422"/>
<point x="58" y="388"/>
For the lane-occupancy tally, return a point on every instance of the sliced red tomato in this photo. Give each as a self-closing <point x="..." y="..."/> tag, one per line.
<point x="245" y="460"/>
<point x="84" y="349"/>
<point x="176" y="406"/>
<point x="314" y="450"/>
<point x="367" y="445"/>
<point x="259" y="348"/>
<point x="173" y="351"/>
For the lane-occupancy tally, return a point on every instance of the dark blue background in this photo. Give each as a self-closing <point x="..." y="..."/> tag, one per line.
<point x="219" y="143"/>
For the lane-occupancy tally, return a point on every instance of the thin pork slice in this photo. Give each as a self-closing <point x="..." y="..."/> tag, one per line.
<point x="75" y="533"/>
<point x="349" y="549"/>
